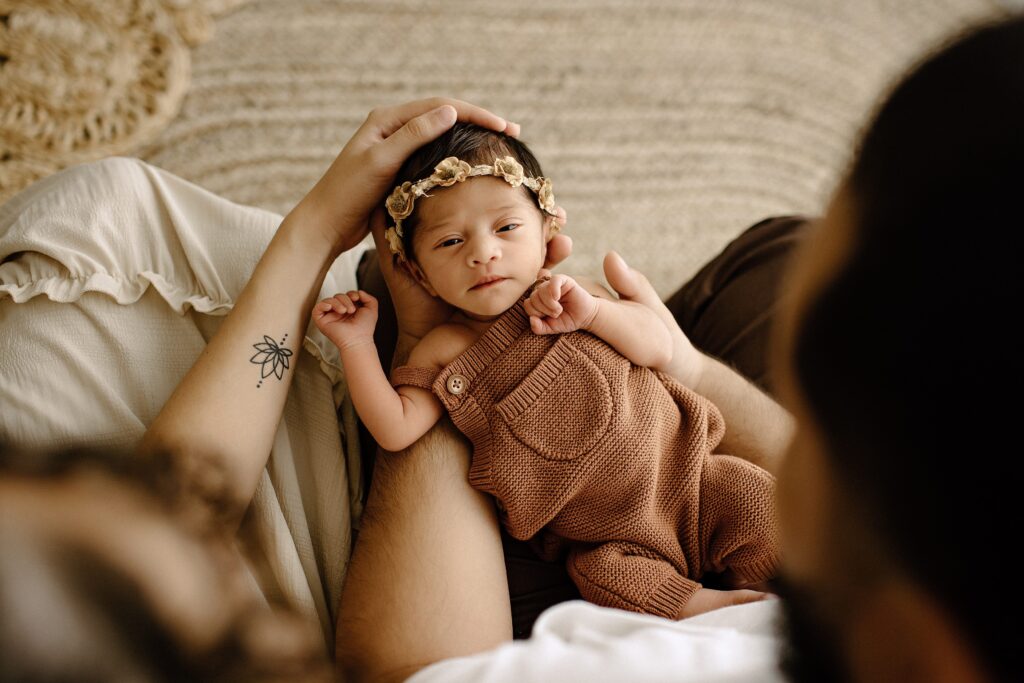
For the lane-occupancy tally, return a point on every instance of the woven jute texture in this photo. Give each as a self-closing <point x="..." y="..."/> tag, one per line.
<point x="667" y="126"/>
<point x="83" y="79"/>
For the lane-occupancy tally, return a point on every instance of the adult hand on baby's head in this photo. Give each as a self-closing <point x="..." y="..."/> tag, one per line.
<point x="340" y="203"/>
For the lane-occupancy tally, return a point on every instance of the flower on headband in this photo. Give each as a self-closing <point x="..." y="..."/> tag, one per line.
<point x="450" y="171"/>
<point x="394" y="241"/>
<point x="399" y="204"/>
<point x="545" y="196"/>
<point x="509" y="169"/>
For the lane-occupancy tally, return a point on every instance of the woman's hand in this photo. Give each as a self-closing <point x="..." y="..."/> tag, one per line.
<point x="340" y="203"/>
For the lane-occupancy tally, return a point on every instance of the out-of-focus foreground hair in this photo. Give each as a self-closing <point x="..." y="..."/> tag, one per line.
<point x="907" y="358"/>
<point x="69" y="612"/>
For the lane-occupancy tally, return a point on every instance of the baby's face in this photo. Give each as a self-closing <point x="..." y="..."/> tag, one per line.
<point x="479" y="228"/>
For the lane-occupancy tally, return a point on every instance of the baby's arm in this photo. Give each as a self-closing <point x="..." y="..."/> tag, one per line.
<point x="564" y="304"/>
<point x="395" y="418"/>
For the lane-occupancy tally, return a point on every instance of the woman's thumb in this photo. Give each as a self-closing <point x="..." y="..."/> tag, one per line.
<point x="420" y="130"/>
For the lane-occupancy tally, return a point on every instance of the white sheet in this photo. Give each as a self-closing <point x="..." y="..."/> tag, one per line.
<point x="578" y="641"/>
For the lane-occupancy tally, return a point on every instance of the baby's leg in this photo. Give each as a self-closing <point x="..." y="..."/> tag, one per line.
<point x="630" y="577"/>
<point x="739" y="532"/>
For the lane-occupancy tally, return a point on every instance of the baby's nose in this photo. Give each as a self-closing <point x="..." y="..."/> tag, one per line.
<point x="485" y="252"/>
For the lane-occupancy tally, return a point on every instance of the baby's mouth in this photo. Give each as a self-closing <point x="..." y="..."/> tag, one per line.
<point x="488" y="284"/>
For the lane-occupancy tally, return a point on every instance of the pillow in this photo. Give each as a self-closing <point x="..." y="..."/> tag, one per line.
<point x="113" y="277"/>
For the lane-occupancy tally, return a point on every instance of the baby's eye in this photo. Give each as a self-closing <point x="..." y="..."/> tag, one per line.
<point x="448" y="242"/>
<point x="511" y="226"/>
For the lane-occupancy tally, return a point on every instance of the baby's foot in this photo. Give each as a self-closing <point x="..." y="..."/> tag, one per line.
<point x="707" y="599"/>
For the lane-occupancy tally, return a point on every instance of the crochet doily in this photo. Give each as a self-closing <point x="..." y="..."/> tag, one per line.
<point x="84" y="79"/>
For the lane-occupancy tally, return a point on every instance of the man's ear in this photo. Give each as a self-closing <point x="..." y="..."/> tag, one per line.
<point x="416" y="273"/>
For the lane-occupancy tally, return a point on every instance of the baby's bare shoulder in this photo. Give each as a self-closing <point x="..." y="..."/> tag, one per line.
<point x="441" y="345"/>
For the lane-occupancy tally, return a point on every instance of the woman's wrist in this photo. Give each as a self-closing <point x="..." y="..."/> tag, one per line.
<point x="314" y="220"/>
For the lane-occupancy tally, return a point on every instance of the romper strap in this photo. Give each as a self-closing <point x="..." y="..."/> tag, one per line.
<point x="417" y="377"/>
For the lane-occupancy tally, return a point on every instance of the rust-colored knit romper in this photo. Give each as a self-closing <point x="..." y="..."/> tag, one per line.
<point x="586" y="451"/>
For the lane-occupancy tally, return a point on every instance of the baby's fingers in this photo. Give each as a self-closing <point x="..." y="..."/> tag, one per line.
<point x="530" y="308"/>
<point x="366" y="298"/>
<point x="341" y="303"/>
<point x="534" y="305"/>
<point x="538" y="326"/>
<point x="327" y="306"/>
<point x="545" y="301"/>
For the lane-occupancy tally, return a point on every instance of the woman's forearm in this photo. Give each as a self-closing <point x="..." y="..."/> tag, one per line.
<point x="229" y="404"/>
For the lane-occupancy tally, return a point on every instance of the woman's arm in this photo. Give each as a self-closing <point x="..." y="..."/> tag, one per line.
<point x="227" y="407"/>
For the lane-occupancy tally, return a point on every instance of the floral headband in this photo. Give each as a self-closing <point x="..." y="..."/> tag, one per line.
<point x="453" y="170"/>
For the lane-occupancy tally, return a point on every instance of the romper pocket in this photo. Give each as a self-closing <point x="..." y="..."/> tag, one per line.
<point x="563" y="407"/>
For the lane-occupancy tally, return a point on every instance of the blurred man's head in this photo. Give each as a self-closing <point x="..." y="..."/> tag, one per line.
<point x="897" y="498"/>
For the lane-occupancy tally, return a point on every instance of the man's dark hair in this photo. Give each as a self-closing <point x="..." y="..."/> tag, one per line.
<point x="907" y="357"/>
<point x="470" y="143"/>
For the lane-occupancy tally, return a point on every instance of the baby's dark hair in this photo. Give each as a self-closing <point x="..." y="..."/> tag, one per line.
<point x="470" y="143"/>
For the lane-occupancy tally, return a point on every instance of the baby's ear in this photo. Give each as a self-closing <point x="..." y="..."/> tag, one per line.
<point x="554" y="224"/>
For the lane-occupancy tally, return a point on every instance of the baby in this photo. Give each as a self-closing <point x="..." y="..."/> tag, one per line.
<point x="588" y="452"/>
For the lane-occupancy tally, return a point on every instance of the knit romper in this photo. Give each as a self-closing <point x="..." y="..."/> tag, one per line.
<point x="610" y="462"/>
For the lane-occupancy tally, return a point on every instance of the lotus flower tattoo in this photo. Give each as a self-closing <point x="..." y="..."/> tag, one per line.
<point x="272" y="358"/>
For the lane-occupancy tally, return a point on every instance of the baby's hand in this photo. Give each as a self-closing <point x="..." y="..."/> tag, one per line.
<point x="347" y="319"/>
<point x="560" y="305"/>
<point x="707" y="599"/>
